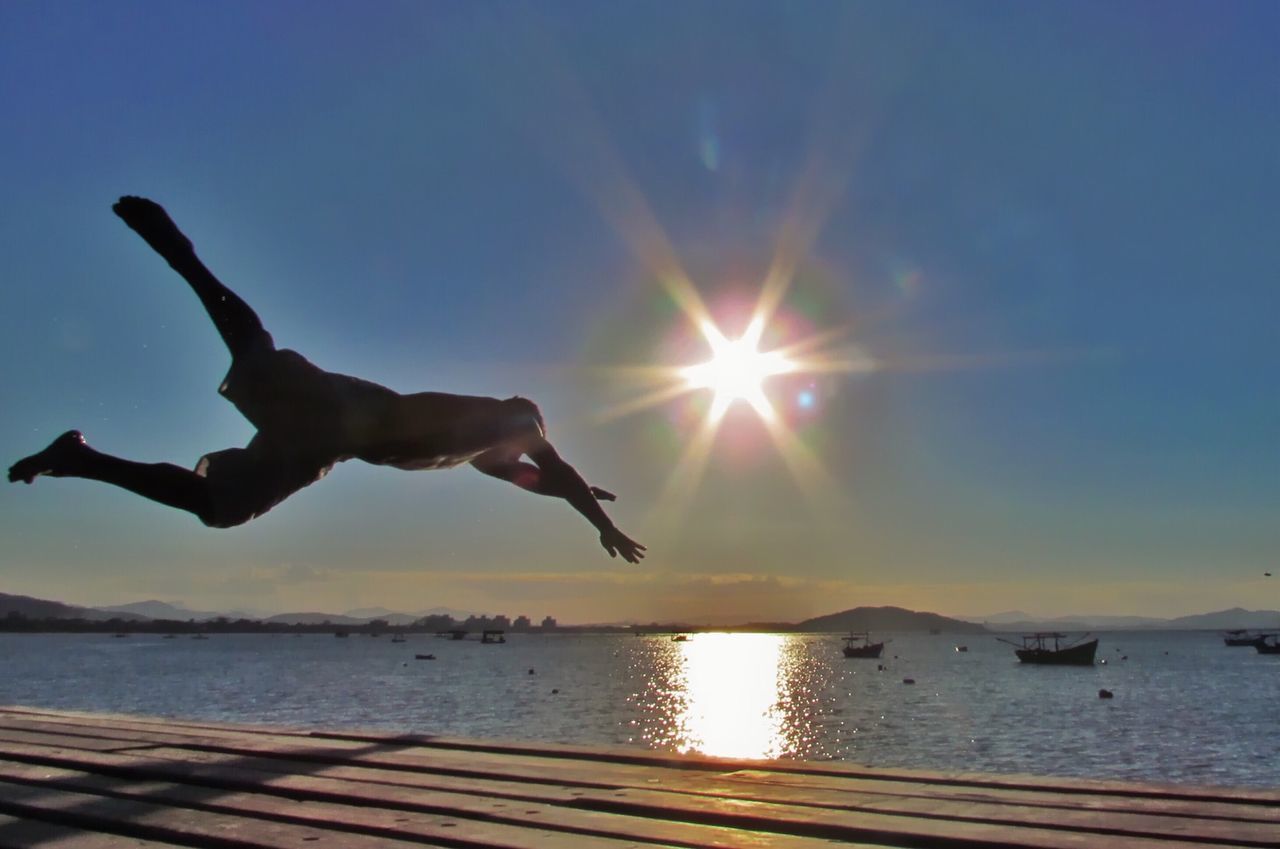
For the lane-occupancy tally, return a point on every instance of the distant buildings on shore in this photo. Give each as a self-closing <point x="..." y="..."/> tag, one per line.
<point x="500" y="622"/>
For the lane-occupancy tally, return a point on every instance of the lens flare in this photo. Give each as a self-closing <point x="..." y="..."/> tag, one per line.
<point x="737" y="370"/>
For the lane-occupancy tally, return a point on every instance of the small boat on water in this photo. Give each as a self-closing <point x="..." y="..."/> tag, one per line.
<point x="424" y="657"/>
<point x="680" y="638"/>
<point x="397" y="639"/>
<point x="492" y="637"/>
<point x="1268" y="644"/>
<point x="858" y="644"/>
<point x="1046" y="647"/>
<point x="1240" y="637"/>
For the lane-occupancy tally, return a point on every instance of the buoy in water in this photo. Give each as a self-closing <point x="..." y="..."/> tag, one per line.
<point x="530" y="671"/>
<point x="553" y="692"/>
<point x="1105" y="694"/>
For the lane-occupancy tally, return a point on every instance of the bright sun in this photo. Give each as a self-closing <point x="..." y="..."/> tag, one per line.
<point x="737" y="370"/>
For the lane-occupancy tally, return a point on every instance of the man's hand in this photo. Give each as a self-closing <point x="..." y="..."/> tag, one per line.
<point x="603" y="494"/>
<point x="616" y="542"/>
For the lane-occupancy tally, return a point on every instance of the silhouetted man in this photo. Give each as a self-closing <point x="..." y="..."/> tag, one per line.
<point x="308" y="419"/>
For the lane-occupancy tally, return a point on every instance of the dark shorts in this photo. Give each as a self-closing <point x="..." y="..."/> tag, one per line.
<point x="307" y="420"/>
<point x="246" y="482"/>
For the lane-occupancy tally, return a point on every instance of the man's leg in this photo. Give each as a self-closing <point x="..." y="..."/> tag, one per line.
<point x="237" y="323"/>
<point x="69" y="457"/>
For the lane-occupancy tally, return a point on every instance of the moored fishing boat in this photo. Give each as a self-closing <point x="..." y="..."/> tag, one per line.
<point x="1240" y="637"/>
<point x="858" y="644"/>
<point x="1268" y="644"/>
<point x="1046" y="647"/>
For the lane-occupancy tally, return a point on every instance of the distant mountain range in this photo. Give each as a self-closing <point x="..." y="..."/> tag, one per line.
<point x="38" y="608"/>
<point x="177" y="612"/>
<point x="885" y="619"/>
<point x="1236" y="617"/>
<point x="139" y="611"/>
<point x="331" y="618"/>
<point x="855" y="619"/>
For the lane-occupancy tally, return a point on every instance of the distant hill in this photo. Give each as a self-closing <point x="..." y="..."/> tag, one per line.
<point x="367" y="614"/>
<point x="371" y="613"/>
<point x="314" y="619"/>
<point x="1002" y="618"/>
<point x="1019" y="620"/>
<point x="164" y="610"/>
<point x="1236" y="617"/>
<point x="37" y="608"/>
<point x="1028" y="625"/>
<point x="886" y="619"/>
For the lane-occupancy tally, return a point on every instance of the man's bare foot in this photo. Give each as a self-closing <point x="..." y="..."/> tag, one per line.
<point x="149" y="220"/>
<point x="57" y="460"/>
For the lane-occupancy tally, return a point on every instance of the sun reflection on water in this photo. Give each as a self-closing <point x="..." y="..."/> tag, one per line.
<point x="734" y="695"/>
<point x="731" y="705"/>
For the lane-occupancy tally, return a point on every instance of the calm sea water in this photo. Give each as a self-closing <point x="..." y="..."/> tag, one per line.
<point x="1186" y="708"/>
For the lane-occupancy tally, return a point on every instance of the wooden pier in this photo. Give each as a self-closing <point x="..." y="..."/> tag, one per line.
<point x="92" y="781"/>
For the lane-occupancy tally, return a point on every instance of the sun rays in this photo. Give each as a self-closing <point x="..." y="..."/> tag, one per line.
<point x="737" y="370"/>
<point x="774" y="353"/>
<point x="773" y="384"/>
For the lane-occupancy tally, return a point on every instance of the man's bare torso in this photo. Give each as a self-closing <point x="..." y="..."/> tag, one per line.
<point x="307" y="410"/>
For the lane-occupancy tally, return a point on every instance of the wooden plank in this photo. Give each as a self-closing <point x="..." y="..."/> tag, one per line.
<point x="18" y="833"/>
<point x="59" y="738"/>
<point x="389" y="756"/>
<point x="829" y="792"/>
<point x="151" y="821"/>
<point x="1014" y="781"/>
<point x="787" y="788"/>
<point x="555" y="814"/>
<point x="1183" y="823"/>
<point x="922" y="827"/>
<point x="803" y="802"/>
<point x="1003" y="811"/>
<point x="892" y="829"/>
<point x="445" y="826"/>
<point x="1070" y="786"/>
<point x="1155" y="820"/>
<point x="155" y="721"/>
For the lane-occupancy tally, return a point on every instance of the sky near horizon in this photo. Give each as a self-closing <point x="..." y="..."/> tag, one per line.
<point x="1046" y="233"/>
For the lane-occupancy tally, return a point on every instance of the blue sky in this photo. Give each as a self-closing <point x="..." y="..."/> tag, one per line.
<point x="1049" y="225"/>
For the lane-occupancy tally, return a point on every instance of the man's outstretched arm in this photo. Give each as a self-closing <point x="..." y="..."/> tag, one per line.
<point x="554" y="477"/>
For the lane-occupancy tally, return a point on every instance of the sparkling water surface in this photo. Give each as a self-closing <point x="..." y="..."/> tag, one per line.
<point x="1187" y="709"/>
